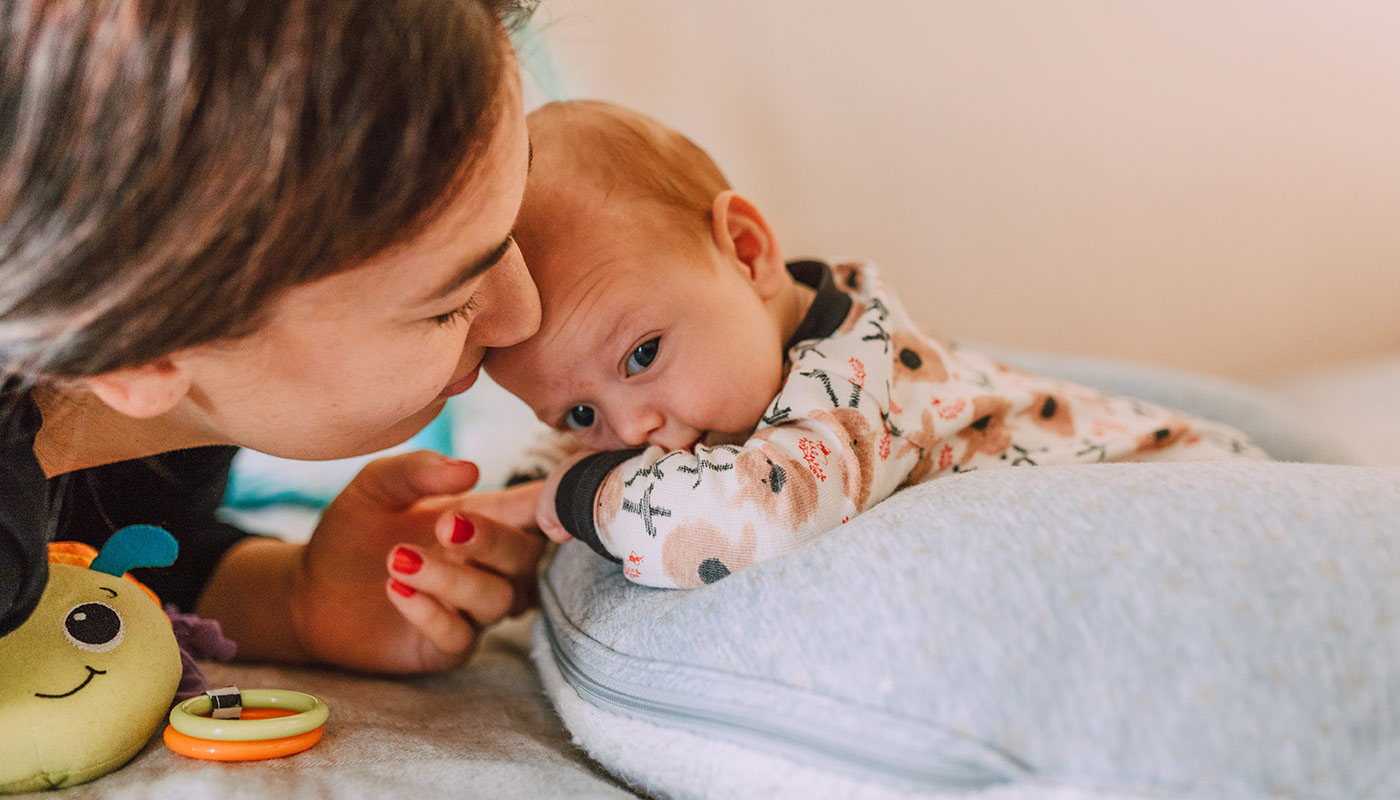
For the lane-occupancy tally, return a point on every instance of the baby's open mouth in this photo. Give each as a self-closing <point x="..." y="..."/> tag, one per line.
<point x="91" y="674"/>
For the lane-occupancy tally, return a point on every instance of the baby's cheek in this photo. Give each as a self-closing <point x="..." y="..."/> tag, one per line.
<point x="749" y="410"/>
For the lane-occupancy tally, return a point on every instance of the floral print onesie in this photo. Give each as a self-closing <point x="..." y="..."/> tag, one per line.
<point x="871" y="404"/>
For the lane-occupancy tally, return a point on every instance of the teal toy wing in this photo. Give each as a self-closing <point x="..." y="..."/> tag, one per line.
<point x="136" y="546"/>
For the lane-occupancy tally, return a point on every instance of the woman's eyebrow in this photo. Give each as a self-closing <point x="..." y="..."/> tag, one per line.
<point x="470" y="270"/>
<point x="476" y="266"/>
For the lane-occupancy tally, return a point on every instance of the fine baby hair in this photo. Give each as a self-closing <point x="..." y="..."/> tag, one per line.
<point x="622" y="151"/>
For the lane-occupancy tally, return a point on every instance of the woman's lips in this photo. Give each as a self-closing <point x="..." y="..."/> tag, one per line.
<point x="462" y="384"/>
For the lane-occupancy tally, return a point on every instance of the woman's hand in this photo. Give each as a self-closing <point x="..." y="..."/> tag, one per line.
<point x="403" y="544"/>
<point x="400" y="575"/>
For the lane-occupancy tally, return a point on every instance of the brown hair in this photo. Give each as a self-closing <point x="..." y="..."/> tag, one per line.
<point x="168" y="167"/>
<point x="629" y="152"/>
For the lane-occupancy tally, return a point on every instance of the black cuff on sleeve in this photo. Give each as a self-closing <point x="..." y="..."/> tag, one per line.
<point x="573" y="501"/>
<point x="23" y="576"/>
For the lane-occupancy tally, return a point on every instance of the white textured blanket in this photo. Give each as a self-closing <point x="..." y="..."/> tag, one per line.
<point x="485" y="731"/>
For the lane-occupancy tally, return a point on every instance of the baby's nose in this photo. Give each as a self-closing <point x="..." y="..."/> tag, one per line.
<point x="639" y="426"/>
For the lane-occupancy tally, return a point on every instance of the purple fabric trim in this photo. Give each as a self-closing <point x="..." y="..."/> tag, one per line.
<point x="199" y="640"/>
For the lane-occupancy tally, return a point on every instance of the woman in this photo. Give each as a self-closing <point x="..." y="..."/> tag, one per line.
<point x="277" y="224"/>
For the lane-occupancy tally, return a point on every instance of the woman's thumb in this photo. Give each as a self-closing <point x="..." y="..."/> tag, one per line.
<point x="397" y="482"/>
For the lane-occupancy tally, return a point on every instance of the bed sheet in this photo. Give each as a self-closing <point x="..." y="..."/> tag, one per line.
<point x="485" y="731"/>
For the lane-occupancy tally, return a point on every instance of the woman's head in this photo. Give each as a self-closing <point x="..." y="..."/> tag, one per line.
<point x="168" y="168"/>
<point x="254" y="217"/>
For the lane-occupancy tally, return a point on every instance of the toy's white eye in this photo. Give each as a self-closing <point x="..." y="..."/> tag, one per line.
<point x="94" y="627"/>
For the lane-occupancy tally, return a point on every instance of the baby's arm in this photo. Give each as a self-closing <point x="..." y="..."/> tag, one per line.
<point x="683" y="519"/>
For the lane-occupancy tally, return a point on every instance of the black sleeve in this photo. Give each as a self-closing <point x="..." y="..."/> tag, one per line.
<point x="573" y="500"/>
<point x="22" y="579"/>
<point x="179" y="491"/>
<point x="24" y="523"/>
<point x="24" y="562"/>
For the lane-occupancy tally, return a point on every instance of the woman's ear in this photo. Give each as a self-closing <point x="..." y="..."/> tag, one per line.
<point x="742" y="234"/>
<point x="145" y="391"/>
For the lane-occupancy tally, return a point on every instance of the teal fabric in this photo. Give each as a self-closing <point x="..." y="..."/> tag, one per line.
<point x="1219" y="630"/>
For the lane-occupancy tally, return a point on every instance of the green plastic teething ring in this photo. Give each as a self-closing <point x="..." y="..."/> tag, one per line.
<point x="188" y="717"/>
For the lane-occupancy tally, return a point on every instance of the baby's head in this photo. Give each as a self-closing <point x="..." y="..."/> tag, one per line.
<point x="664" y="295"/>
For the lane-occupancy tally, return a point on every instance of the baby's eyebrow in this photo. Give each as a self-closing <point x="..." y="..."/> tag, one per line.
<point x="105" y="589"/>
<point x="619" y="326"/>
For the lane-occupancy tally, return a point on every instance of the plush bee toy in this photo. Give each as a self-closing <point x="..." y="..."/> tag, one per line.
<point x="87" y="679"/>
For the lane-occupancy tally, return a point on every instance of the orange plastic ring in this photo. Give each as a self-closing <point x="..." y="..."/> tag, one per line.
<point x="216" y="750"/>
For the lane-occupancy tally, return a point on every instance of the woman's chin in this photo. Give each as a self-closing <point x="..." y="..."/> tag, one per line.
<point x="348" y="447"/>
<point x="405" y="429"/>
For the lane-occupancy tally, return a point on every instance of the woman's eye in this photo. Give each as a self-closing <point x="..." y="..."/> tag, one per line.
<point x="462" y="312"/>
<point x="642" y="357"/>
<point x="579" y="417"/>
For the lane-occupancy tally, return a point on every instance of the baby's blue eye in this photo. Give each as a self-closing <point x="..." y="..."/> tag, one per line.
<point x="579" y="417"/>
<point x="642" y="357"/>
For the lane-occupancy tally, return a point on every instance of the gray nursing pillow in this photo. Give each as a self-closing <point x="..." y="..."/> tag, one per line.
<point x="1223" y="630"/>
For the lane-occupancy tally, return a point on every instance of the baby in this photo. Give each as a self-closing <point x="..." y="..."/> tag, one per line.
<point x="731" y="406"/>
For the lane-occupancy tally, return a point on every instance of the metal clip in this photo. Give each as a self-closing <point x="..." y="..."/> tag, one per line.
<point x="227" y="703"/>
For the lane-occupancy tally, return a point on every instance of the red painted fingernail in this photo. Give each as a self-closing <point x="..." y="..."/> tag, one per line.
<point x="402" y="588"/>
<point x="462" y="530"/>
<point x="406" y="561"/>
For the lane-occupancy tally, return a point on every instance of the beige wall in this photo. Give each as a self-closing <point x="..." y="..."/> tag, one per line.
<point x="1213" y="184"/>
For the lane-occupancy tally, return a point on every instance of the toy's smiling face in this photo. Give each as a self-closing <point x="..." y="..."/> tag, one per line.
<point x="96" y="663"/>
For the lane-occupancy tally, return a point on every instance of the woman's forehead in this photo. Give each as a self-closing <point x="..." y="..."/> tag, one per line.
<point x="472" y="225"/>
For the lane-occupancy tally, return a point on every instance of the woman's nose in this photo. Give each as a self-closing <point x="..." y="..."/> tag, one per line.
<point x="510" y="304"/>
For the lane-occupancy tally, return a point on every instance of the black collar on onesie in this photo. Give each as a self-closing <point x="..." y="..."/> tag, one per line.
<point x="829" y="307"/>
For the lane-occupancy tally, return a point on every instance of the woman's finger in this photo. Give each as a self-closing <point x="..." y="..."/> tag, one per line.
<point x="442" y="627"/>
<point x="514" y="506"/>
<point x="501" y="548"/>
<point x="397" y="482"/>
<point x="481" y="594"/>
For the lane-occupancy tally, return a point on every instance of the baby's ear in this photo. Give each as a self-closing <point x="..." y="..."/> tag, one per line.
<point x="744" y="237"/>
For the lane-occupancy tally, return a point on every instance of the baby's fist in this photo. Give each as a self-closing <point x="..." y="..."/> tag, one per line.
<point x="546" y="512"/>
